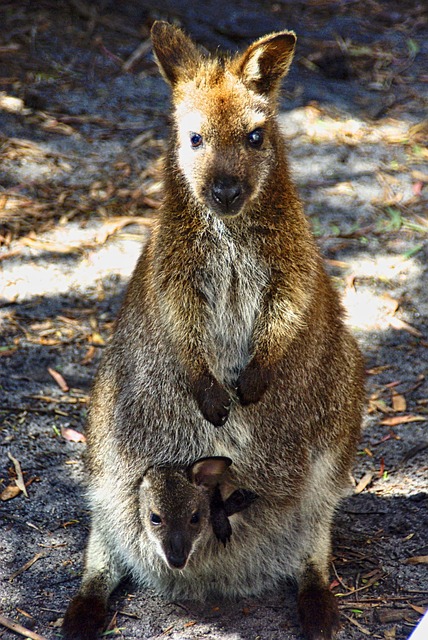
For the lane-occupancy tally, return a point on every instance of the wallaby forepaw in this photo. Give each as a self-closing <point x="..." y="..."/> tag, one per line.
<point x="213" y="400"/>
<point x="319" y="613"/>
<point x="252" y="383"/>
<point x="84" y="618"/>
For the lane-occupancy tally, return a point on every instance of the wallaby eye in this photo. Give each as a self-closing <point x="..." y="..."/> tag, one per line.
<point x="255" y="138"/>
<point x="195" y="140"/>
<point x="155" y="519"/>
<point x="195" y="518"/>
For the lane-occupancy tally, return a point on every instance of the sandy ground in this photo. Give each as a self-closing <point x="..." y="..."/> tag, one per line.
<point x="83" y="118"/>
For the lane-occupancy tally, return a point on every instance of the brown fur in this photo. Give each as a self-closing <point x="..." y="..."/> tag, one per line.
<point x="229" y="320"/>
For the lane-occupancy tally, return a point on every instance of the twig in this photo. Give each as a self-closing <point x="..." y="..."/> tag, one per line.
<point x="136" y="55"/>
<point x="32" y="410"/>
<point x="26" y="566"/>
<point x="369" y="584"/>
<point x="19" y="481"/>
<point x="90" y="13"/>
<point x="129" y="615"/>
<point x="17" y="628"/>
<point x="357" y="624"/>
<point x="339" y="579"/>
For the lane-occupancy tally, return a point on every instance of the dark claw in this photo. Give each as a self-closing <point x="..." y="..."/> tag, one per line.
<point x="213" y="400"/>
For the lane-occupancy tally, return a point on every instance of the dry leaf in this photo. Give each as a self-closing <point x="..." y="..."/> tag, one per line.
<point x="364" y="482"/>
<point x="379" y="405"/>
<point x="398" y="402"/>
<point x="396" y="323"/>
<point x="419" y="175"/>
<point x="72" y="435"/>
<point x="376" y="370"/>
<point x="19" y="481"/>
<point x="392" y="422"/>
<point x="87" y="358"/>
<point x="416" y="560"/>
<point x="391" y="303"/>
<point x="59" y="379"/>
<point x="421" y="610"/>
<point x="10" y="492"/>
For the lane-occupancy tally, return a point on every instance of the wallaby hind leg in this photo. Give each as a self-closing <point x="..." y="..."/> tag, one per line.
<point x="317" y="606"/>
<point x="86" y="613"/>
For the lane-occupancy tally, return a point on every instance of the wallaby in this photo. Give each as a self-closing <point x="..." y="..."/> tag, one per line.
<point x="230" y="342"/>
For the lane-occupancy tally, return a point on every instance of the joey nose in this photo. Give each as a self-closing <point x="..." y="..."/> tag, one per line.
<point x="177" y="550"/>
<point x="227" y="191"/>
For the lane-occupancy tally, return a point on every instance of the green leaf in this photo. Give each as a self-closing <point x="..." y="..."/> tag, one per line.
<point x="413" y="47"/>
<point x="395" y="218"/>
<point x="411" y="252"/>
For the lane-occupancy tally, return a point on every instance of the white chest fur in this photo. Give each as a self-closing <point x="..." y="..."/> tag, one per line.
<point x="232" y="284"/>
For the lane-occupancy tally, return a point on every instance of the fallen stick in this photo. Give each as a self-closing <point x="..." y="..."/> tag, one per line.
<point x="26" y="566"/>
<point x="17" y="628"/>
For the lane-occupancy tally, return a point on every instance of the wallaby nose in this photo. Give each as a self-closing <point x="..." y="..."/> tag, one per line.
<point x="176" y="561"/>
<point x="226" y="191"/>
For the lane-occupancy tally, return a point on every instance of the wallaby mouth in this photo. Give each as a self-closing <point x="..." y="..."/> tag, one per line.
<point x="176" y="561"/>
<point x="177" y="550"/>
<point x="227" y="195"/>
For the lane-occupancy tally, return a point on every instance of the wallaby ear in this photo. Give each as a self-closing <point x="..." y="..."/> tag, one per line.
<point x="177" y="56"/>
<point x="207" y="472"/>
<point x="267" y="60"/>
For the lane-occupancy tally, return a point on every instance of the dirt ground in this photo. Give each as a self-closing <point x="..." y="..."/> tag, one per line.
<point x="83" y="118"/>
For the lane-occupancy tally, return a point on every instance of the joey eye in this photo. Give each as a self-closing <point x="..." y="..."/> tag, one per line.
<point x="195" y="518"/>
<point x="195" y="140"/>
<point x="255" y="138"/>
<point x="155" y="519"/>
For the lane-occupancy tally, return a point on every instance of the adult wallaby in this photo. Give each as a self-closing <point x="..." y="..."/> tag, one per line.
<point x="229" y="321"/>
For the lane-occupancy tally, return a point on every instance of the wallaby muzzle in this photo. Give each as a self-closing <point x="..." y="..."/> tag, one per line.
<point x="227" y="194"/>
<point x="177" y="550"/>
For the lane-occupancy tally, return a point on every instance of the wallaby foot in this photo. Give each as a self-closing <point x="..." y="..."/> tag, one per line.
<point x="213" y="400"/>
<point x="84" y="618"/>
<point x="318" y="612"/>
<point x="253" y="382"/>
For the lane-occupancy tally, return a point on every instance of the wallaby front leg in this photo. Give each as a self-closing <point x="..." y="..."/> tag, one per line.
<point x="280" y="319"/>
<point x="86" y="613"/>
<point x="186" y="310"/>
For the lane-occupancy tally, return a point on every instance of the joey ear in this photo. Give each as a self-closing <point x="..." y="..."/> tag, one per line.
<point x="177" y="56"/>
<point x="267" y="60"/>
<point x="207" y="472"/>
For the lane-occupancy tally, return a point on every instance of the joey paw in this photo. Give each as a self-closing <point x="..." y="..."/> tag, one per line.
<point x="252" y="383"/>
<point x="213" y="400"/>
<point x="239" y="500"/>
